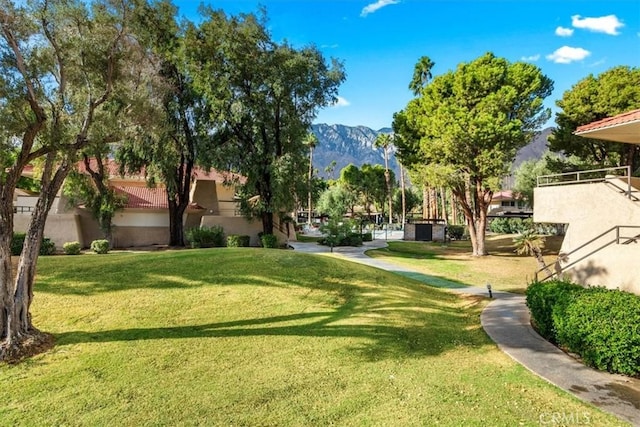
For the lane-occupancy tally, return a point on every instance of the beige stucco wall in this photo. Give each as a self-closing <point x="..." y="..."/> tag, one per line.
<point x="60" y="228"/>
<point x="135" y="236"/>
<point x="590" y="210"/>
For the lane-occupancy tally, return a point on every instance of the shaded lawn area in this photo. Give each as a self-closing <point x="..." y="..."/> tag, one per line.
<point x="452" y="263"/>
<point x="262" y="337"/>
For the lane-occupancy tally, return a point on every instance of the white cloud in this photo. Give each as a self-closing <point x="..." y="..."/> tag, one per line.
<point x="341" y="102"/>
<point x="532" y="58"/>
<point x="567" y="55"/>
<point x="605" y="24"/>
<point x="370" y="8"/>
<point x="564" y="32"/>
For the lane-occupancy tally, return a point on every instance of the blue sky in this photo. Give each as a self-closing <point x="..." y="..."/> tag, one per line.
<point x="380" y="41"/>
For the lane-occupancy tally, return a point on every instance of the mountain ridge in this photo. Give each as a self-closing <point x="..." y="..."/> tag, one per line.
<point x="355" y="144"/>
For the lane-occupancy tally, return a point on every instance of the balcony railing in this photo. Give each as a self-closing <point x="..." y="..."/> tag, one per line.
<point x="590" y="176"/>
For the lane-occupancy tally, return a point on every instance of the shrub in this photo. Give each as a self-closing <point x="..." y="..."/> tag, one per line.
<point x="547" y="301"/>
<point x="100" y="246"/>
<point x="598" y="324"/>
<point x="238" y="241"/>
<point x="206" y="237"/>
<point x="367" y="237"/>
<point x="47" y="247"/>
<point x="601" y="325"/>
<point x="456" y="232"/>
<point x="500" y="226"/>
<point x="17" y="242"/>
<point x="71" y="248"/>
<point x="338" y="233"/>
<point x="269" y="241"/>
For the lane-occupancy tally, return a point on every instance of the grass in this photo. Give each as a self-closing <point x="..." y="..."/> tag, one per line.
<point x="263" y="337"/>
<point x="452" y="264"/>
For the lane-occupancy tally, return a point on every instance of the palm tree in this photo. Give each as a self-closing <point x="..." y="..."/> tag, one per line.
<point x="310" y="141"/>
<point x="384" y="141"/>
<point x="421" y="74"/>
<point x="530" y="243"/>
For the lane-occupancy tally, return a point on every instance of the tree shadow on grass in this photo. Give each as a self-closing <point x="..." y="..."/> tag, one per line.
<point x="437" y="332"/>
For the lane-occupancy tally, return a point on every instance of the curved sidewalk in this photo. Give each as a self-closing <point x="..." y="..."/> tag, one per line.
<point x="506" y="321"/>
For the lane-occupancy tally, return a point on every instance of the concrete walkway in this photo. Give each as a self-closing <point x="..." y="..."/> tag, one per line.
<point x="506" y="321"/>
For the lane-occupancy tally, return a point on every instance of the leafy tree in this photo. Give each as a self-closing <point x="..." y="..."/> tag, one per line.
<point x="467" y="125"/>
<point x="413" y="199"/>
<point x="94" y="191"/>
<point x="264" y="96"/>
<point x="526" y="177"/>
<point x="594" y="98"/>
<point x="61" y="61"/>
<point x="171" y="126"/>
<point x="374" y="187"/>
<point x="336" y="201"/>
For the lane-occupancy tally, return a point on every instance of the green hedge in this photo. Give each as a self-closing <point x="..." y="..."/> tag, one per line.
<point x="206" y="237"/>
<point x="238" y="241"/>
<point x="600" y="325"/>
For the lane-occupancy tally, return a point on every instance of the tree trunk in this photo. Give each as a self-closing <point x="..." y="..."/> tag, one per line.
<point x="267" y="222"/>
<point x="537" y="253"/>
<point x="425" y="201"/>
<point x="387" y="180"/>
<point x="176" y="223"/>
<point x="443" y="199"/>
<point x="18" y="328"/>
<point x="404" y="200"/>
<point x="309" y="221"/>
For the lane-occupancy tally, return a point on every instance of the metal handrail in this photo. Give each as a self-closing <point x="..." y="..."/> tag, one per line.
<point x="546" y="180"/>
<point x="615" y="240"/>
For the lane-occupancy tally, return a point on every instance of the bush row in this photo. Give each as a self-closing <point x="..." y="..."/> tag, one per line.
<point x="598" y="324"/>
<point x="518" y="226"/>
<point x="213" y="237"/>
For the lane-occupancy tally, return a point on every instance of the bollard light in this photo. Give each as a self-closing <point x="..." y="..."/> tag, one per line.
<point x="489" y="289"/>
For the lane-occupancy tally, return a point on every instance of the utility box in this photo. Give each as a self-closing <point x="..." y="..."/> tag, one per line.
<point x="425" y="231"/>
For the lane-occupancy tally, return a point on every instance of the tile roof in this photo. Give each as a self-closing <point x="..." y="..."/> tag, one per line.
<point x="143" y="197"/>
<point x="629" y="116"/>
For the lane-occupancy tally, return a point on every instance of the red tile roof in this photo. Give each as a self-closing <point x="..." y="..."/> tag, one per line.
<point x="143" y="197"/>
<point x="201" y="174"/>
<point x="627" y="117"/>
<point x="503" y="195"/>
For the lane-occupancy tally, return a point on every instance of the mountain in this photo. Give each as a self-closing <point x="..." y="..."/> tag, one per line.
<point x="348" y="144"/>
<point x="535" y="149"/>
<point x="354" y="144"/>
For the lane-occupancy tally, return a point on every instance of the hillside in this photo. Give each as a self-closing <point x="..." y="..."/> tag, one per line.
<point x="354" y="144"/>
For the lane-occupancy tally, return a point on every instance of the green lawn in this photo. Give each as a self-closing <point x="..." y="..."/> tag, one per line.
<point x="453" y="262"/>
<point x="249" y="337"/>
